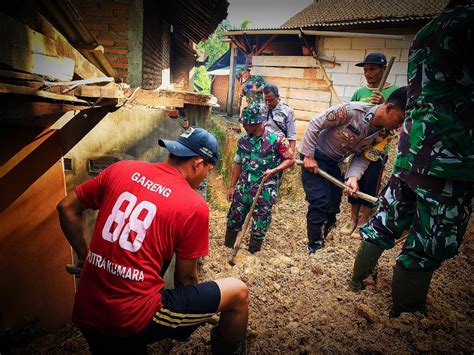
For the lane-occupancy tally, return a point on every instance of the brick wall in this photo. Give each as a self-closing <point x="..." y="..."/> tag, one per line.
<point x="183" y="62"/>
<point x="156" y="45"/>
<point x="108" y="22"/>
<point x="347" y="77"/>
<point x="219" y="88"/>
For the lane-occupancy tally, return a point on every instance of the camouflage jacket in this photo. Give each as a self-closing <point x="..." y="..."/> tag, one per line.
<point x="248" y="90"/>
<point x="437" y="137"/>
<point x="256" y="154"/>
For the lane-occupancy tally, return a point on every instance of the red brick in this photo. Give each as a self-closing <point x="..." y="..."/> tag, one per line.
<point x="112" y="58"/>
<point x="97" y="26"/>
<point x="121" y="14"/>
<point x="105" y="42"/>
<point x="111" y="35"/>
<point x="119" y="27"/>
<point x="122" y="44"/>
<point x="115" y="21"/>
<point x="116" y="51"/>
<point x="122" y="60"/>
<point x="95" y="12"/>
<point x="120" y="65"/>
<point x="114" y="6"/>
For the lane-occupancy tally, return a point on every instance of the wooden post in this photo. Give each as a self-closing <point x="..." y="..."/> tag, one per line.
<point x="230" y="93"/>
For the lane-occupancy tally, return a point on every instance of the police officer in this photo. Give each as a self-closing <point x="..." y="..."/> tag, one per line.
<point x="374" y="66"/>
<point x="342" y="130"/>
<point x="261" y="153"/>
<point x="280" y="116"/>
<point x="430" y="190"/>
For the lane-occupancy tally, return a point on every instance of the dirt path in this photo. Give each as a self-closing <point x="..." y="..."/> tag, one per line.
<point x="303" y="305"/>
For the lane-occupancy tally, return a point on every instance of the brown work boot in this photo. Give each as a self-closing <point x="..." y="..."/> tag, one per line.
<point x="230" y="237"/>
<point x="348" y="227"/>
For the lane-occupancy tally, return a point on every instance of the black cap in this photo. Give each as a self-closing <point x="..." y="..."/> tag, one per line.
<point x="374" y="58"/>
<point x="195" y="141"/>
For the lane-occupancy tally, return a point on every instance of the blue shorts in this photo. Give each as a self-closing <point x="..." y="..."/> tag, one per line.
<point x="184" y="309"/>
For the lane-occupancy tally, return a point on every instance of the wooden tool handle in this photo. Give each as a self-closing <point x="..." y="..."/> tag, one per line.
<point x="246" y="224"/>
<point x="385" y="74"/>
<point x="340" y="184"/>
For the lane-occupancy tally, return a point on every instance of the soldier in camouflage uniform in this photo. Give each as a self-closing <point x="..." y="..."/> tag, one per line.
<point x="260" y="153"/>
<point x="251" y="87"/>
<point x="430" y="190"/>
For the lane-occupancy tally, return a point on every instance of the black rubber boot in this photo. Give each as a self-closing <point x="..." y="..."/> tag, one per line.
<point x="409" y="290"/>
<point x="330" y="225"/>
<point x="315" y="238"/>
<point x="230" y="237"/>
<point x="364" y="265"/>
<point x="221" y="346"/>
<point x="255" y="244"/>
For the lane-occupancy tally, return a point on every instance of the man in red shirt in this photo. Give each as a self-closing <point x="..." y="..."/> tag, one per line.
<point x="148" y="212"/>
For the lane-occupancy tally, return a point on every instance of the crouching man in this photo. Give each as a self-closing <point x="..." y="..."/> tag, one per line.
<point x="148" y="212"/>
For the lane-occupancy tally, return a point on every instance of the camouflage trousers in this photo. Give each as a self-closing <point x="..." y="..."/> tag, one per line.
<point x="241" y="203"/>
<point x="434" y="211"/>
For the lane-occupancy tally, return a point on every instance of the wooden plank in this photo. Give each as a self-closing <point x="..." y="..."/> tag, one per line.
<point x="23" y="90"/>
<point x="297" y="83"/>
<point x="284" y="61"/>
<point x="20" y="35"/>
<point x="306" y="105"/>
<point x="34" y="109"/>
<point x="108" y="91"/>
<point x="55" y="67"/>
<point x="301" y="127"/>
<point x="302" y="73"/>
<point x="19" y="75"/>
<point x="153" y="98"/>
<point x="302" y="94"/>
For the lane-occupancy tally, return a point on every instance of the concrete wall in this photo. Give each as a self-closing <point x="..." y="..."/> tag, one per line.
<point x="348" y="51"/>
<point x="128" y="133"/>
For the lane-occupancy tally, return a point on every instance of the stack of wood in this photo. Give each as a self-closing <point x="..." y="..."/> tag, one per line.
<point x="39" y="66"/>
<point x="301" y="83"/>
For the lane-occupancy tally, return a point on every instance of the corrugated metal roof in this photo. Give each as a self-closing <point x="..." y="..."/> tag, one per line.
<point x="350" y="12"/>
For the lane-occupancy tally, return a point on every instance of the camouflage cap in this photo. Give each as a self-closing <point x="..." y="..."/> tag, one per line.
<point x="252" y="115"/>
<point x="242" y="69"/>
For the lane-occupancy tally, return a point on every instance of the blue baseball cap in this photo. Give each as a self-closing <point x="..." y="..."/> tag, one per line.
<point x="194" y="142"/>
<point x="374" y="58"/>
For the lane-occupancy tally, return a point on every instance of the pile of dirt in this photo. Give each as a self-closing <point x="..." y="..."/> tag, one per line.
<point x="303" y="305"/>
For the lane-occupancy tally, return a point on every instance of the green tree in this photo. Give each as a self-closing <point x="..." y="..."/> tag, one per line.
<point x="213" y="48"/>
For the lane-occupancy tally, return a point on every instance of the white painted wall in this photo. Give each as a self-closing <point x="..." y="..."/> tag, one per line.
<point x="348" y="51"/>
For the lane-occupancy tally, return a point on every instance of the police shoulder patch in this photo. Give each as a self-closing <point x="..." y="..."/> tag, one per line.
<point x="341" y="113"/>
<point x="331" y="116"/>
<point x="368" y="117"/>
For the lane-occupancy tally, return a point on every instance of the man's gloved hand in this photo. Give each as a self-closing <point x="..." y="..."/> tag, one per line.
<point x="352" y="186"/>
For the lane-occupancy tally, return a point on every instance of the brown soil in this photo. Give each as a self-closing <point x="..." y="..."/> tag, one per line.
<point x="303" y="305"/>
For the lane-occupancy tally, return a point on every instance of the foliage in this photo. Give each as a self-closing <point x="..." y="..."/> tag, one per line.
<point x="214" y="47"/>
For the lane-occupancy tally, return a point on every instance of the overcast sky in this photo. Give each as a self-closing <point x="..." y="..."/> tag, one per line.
<point x="264" y="13"/>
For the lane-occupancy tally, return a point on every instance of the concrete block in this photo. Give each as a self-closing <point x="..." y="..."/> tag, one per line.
<point x="367" y="43"/>
<point x="346" y="79"/>
<point x="349" y="91"/>
<point x="391" y="78"/>
<point x="404" y="55"/>
<point x="339" y="90"/>
<point x="401" y="80"/>
<point x="337" y="43"/>
<point x="352" y="69"/>
<point x="395" y="43"/>
<point x="338" y="68"/>
<point x="399" y="68"/>
<point x="326" y="52"/>
<point x="349" y="55"/>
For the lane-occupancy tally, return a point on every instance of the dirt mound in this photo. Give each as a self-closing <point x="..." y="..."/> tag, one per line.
<point x="303" y="305"/>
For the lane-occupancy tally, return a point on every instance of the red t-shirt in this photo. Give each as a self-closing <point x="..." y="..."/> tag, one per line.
<point x="146" y="213"/>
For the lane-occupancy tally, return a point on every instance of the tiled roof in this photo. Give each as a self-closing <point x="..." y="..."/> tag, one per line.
<point x="342" y="12"/>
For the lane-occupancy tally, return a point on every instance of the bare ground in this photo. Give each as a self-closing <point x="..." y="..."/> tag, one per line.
<point x="303" y="305"/>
